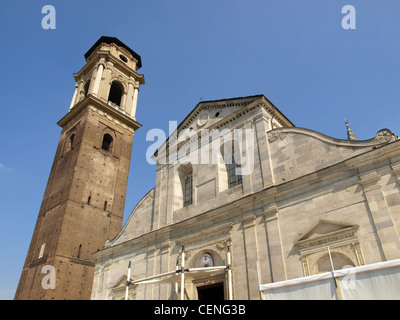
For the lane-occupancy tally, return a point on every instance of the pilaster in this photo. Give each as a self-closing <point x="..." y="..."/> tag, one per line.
<point x="261" y="125"/>
<point x="274" y="242"/>
<point x="389" y="241"/>
<point x="150" y="271"/>
<point x="165" y="253"/>
<point x="251" y="251"/>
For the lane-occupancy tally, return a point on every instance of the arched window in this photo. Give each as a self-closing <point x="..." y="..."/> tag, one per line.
<point x="115" y="95"/>
<point x="86" y="88"/>
<point x="79" y="251"/>
<point x="183" y="187"/>
<point x="71" y="140"/>
<point x="70" y="143"/>
<point x="231" y="156"/>
<point x="339" y="260"/>
<point x="234" y="179"/>
<point x="107" y="142"/>
<point x="188" y="190"/>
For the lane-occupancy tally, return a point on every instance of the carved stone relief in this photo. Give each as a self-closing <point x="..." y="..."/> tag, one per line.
<point x="273" y="136"/>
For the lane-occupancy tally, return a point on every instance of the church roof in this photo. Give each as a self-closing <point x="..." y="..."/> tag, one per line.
<point x="118" y="42"/>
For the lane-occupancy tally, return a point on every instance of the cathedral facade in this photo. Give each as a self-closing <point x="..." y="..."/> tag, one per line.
<point x="302" y="193"/>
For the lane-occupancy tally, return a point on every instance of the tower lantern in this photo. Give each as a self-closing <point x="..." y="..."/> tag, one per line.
<point x="110" y="74"/>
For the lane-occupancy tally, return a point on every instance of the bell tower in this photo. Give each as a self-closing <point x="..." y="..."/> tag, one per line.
<point x="84" y="200"/>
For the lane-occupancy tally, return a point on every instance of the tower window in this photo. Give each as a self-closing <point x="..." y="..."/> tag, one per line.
<point x="123" y="58"/>
<point x="70" y="143"/>
<point x="41" y="253"/>
<point x="115" y="94"/>
<point x="107" y="142"/>
<point x="86" y="88"/>
<point x="79" y="251"/>
<point x="71" y="140"/>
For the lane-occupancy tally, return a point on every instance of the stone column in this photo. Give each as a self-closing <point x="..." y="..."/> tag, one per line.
<point x="81" y="91"/>
<point x="123" y="101"/>
<point x="135" y="100"/>
<point x="99" y="74"/>
<point x="128" y="106"/>
<point x="104" y="88"/>
<point x="74" y="97"/>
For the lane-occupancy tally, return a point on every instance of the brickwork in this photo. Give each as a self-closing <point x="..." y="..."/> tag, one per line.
<point x="84" y="201"/>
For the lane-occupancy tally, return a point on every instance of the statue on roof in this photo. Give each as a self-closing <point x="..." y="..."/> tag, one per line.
<point x="350" y="133"/>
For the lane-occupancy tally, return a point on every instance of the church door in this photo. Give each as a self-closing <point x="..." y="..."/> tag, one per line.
<point x="211" y="292"/>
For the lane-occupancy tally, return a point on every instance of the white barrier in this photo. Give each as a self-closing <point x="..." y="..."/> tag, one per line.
<point x="375" y="281"/>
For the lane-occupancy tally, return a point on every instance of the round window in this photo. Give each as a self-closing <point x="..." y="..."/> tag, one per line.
<point x="123" y="58"/>
<point x="203" y="119"/>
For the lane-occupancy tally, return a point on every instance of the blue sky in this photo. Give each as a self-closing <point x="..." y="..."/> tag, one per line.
<point x="294" y="52"/>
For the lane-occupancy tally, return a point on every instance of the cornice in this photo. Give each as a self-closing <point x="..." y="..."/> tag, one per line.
<point x="107" y="57"/>
<point x="217" y="105"/>
<point x="214" y="232"/>
<point x="91" y="100"/>
<point x="331" y="238"/>
<point x="232" y="118"/>
<point x="175" y="228"/>
<point x="276" y="114"/>
<point x="378" y="153"/>
<point x="338" y="142"/>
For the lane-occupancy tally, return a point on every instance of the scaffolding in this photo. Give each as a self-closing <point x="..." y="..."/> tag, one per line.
<point x="180" y="274"/>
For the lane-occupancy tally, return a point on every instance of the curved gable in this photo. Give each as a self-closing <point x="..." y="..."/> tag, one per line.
<point x="296" y="152"/>
<point x="139" y="221"/>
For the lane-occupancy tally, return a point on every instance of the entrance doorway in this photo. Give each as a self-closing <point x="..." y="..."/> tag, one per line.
<point x="211" y="292"/>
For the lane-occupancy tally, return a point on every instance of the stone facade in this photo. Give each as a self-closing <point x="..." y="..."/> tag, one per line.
<point x="306" y="192"/>
<point x="236" y="173"/>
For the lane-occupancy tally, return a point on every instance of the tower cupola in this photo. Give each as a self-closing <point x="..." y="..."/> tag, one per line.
<point x="110" y="75"/>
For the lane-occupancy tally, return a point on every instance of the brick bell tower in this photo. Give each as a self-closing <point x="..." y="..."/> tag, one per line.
<point x="84" y="200"/>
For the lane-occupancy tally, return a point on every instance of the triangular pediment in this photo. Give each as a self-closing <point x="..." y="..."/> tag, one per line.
<point x="121" y="282"/>
<point x="325" y="229"/>
<point x="207" y="113"/>
<point x="216" y="114"/>
<point x="119" y="289"/>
